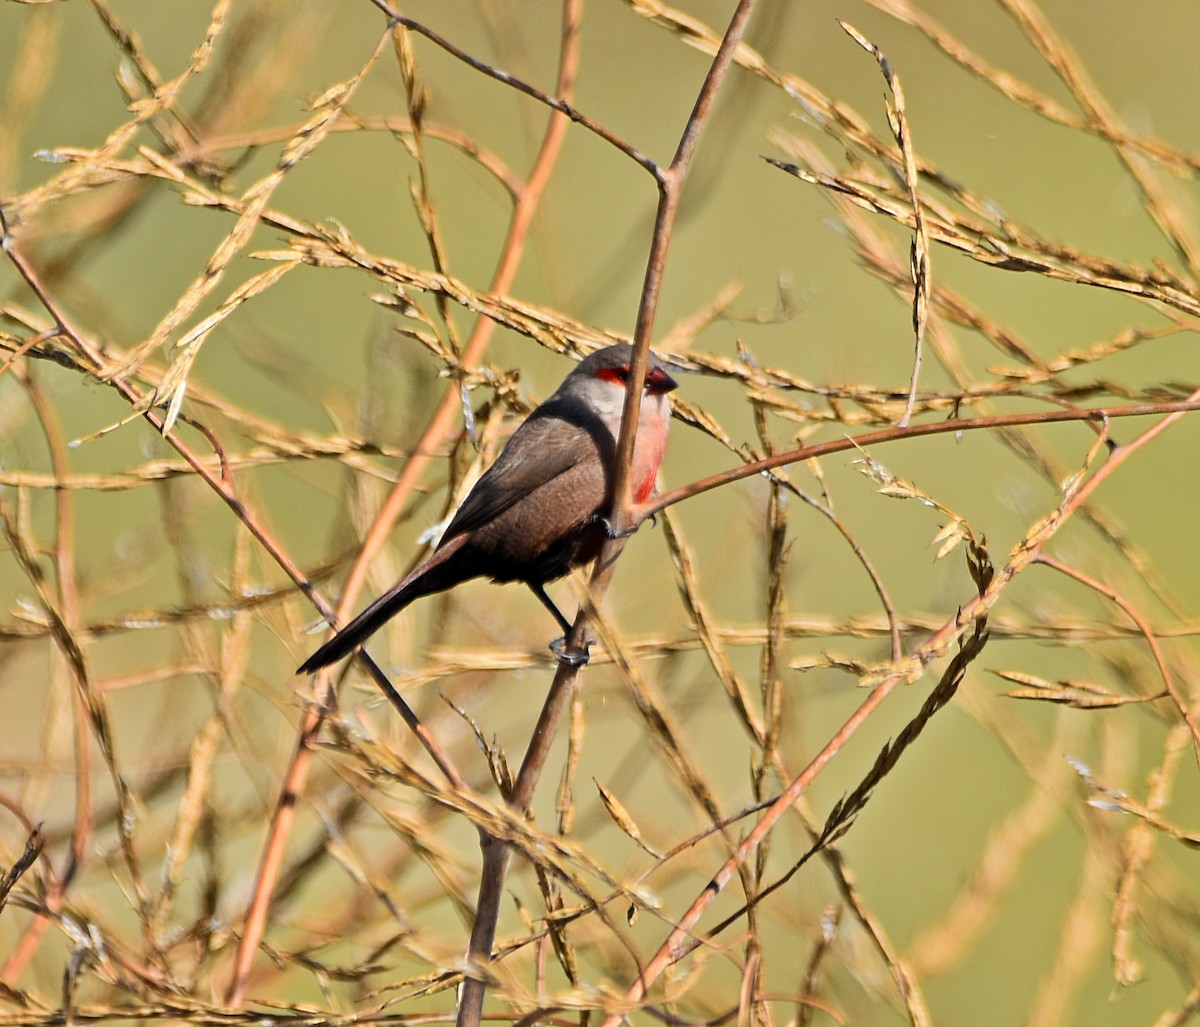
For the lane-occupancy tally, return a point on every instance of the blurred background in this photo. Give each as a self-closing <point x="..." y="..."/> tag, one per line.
<point x="1022" y="861"/>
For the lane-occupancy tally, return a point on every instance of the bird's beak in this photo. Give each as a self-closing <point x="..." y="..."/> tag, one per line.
<point x="659" y="382"/>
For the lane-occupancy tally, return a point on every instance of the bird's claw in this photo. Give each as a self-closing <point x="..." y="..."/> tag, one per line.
<point x="609" y="529"/>
<point x="571" y="657"/>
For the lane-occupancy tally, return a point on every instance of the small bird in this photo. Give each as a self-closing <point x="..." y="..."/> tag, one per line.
<point x="543" y="506"/>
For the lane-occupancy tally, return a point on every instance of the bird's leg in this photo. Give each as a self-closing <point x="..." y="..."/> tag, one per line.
<point x="609" y="529"/>
<point x="572" y="658"/>
<point x="539" y="590"/>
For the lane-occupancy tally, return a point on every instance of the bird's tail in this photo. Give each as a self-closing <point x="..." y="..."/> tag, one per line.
<point x="432" y="576"/>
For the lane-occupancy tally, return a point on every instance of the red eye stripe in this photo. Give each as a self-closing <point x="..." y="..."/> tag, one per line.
<point x="657" y="381"/>
<point x="617" y="375"/>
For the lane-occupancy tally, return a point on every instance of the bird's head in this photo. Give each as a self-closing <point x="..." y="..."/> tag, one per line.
<point x="611" y="365"/>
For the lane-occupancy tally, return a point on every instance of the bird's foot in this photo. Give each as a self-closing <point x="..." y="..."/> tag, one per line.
<point x="610" y="529"/>
<point x="571" y="657"/>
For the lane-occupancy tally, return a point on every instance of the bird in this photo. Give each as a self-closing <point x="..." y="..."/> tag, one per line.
<point x="544" y="505"/>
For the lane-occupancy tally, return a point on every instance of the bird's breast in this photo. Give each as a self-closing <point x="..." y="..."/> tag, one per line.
<point x="651" y="444"/>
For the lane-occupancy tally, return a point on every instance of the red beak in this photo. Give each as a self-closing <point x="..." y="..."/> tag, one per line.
<point x="659" y="382"/>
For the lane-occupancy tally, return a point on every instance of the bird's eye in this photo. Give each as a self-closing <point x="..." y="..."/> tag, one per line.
<point x="616" y="375"/>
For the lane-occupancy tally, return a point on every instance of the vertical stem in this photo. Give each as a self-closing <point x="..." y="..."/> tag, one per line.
<point x="670" y="185"/>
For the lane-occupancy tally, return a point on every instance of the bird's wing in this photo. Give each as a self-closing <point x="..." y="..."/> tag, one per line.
<point x="541" y="449"/>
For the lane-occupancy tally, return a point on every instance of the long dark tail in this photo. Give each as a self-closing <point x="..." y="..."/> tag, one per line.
<point x="435" y="574"/>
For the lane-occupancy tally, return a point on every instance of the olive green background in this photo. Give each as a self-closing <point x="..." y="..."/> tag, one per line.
<point x="316" y="355"/>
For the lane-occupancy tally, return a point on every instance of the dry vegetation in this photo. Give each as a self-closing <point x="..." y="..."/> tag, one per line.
<point x="233" y="845"/>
